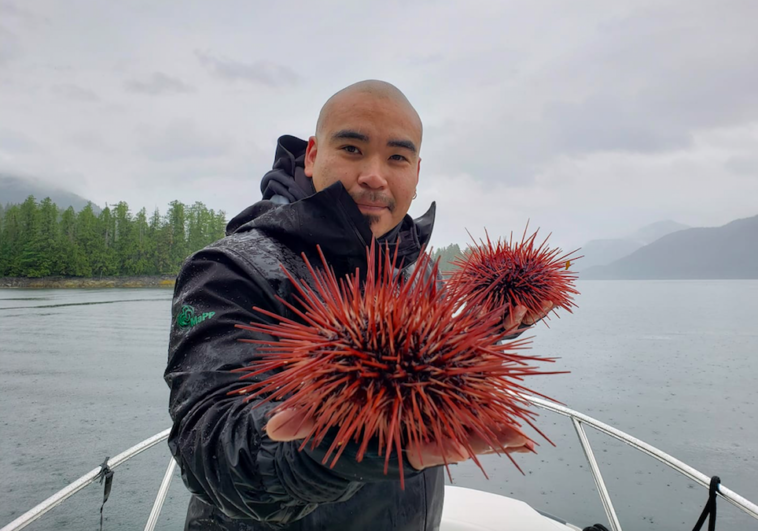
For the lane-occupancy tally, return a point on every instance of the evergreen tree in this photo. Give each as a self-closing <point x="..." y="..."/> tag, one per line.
<point x="71" y="260"/>
<point x="446" y="256"/>
<point x="47" y="238"/>
<point x="125" y="240"/>
<point x="177" y="235"/>
<point x="197" y="226"/>
<point x="89" y="241"/>
<point x="35" y="260"/>
<point x="143" y="249"/>
<point x="218" y="226"/>
<point x="10" y="242"/>
<point x="107" y="263"/>
<point x="161" y="244"/>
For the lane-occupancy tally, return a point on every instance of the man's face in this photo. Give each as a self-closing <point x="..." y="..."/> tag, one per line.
<point x="371" y="145"/>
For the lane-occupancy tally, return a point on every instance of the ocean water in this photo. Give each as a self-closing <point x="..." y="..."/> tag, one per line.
<point x="674" y="363"/>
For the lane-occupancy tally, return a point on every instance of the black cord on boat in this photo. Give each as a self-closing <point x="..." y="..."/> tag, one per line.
<point x="710" y="507"/>
<point x="106" y="474"/>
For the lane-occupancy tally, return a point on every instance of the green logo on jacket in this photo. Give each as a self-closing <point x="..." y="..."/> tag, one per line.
<point x="188" y="318"/>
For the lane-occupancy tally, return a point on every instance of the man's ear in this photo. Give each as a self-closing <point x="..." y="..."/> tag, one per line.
<point x="310" y="157"/>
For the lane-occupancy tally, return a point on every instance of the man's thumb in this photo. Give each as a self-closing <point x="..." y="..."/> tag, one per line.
<point x="289" y="425"/>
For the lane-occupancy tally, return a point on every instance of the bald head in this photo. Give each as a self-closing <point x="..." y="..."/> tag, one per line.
<point x="366" y="90"/>
<point x="368" y="137"/>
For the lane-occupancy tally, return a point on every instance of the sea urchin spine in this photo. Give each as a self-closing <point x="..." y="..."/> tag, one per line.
<point x="390" y="359"/>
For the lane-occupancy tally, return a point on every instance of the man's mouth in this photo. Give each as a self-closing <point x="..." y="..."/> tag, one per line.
<point x="374" y="203"/>
<point x="371" y="207"/>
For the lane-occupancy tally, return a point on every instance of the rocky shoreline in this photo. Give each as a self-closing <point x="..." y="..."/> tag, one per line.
<point x="161" y="281"/>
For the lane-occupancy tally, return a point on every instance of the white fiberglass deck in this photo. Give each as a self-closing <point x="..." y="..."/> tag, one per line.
<point x="474" y="510"/>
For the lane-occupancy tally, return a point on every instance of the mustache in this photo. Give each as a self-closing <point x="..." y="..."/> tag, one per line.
<point x="375" y="197"/>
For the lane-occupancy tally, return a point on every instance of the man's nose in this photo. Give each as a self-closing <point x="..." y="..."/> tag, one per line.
<point x="372" y="174"/>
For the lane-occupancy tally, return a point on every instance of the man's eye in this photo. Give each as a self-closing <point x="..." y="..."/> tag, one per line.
<point x="398" y="157"/>
<point x="351" y="149"/>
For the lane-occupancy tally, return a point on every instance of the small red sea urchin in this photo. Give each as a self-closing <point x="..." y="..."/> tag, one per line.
<point x="389" y="359"/>
<point x="502" y="275"/>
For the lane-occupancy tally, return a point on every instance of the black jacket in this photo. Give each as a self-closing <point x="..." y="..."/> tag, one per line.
<point x="240" y="479"/>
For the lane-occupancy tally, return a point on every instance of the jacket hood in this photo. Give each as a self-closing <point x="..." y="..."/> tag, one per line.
<point x="295" y="213"/>
<point x="287" y="177"/>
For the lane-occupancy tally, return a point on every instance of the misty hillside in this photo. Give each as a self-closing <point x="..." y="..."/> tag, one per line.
<point x="15" y="190"/>
<point x="603" y="252"/>
<point x="728" y="252"/>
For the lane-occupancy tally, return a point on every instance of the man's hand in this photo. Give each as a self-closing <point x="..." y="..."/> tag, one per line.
<point x="292" y="425"/>
<point x="520" y="318"/>
<point x="430" y="455"/>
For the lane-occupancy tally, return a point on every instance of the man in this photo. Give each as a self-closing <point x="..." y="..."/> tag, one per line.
<point x="352" y="181"/>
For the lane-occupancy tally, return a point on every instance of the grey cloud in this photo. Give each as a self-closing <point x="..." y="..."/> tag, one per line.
<point x="641" y="82"/>
<point x="743" y="165"/>
<point x="263" y="72"/>
<point x="182" y="140"/>
<point x="425" y="59"/>
<point x="498" y="150"/>
<point x="10" y="48"/>
<point x="601" y="123"/>
<point x="90" y="141"/>
<point x="76" y="93"/>
<point x="158" y="84"/>
<point x="16" y="142"/>
<point x="658" y="74"/>
<point x="11" y="11"/>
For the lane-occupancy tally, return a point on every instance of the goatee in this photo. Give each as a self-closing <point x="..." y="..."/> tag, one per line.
<point x="371" y="219"/>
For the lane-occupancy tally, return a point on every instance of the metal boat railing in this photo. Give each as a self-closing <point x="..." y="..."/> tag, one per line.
<point x="577" y="419"/>
<point x="59" y="497"/>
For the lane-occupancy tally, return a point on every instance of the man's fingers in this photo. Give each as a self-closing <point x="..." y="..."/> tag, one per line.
<point x="430" y="454"/>
<point x="514" y="317"/>
<point x="289" y="425"/>
<point x="433" y="454"/>
<point x="519" y="316"/>
<point x="509" y="438"/>
<point x="533" y="317"/>
<point x="527" y="448"/>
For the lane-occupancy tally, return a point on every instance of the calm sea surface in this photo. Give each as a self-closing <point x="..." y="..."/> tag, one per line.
<point x="674" y="363"/>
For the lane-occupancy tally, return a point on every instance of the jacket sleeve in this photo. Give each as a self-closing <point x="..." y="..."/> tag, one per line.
<point x="218" y="440"/>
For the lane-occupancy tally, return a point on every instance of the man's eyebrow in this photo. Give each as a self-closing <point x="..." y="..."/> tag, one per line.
<point x="350" y="134"/>
<point x="407" y="144"/>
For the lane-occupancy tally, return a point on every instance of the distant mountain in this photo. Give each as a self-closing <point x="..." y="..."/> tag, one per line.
<point x="603" y="252"/>
<point x="16" y="190"/>
<point x="649" y="233"/>
<point x="728" y="252"/>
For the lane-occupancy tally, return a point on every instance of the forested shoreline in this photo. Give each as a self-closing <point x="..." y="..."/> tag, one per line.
<point x="43" y="246"/>
<point x="40" y="240"/>
<point x="154" y="281"/>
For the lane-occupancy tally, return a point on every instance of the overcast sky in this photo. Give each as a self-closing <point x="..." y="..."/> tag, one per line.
<point x="592" y="118"/>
